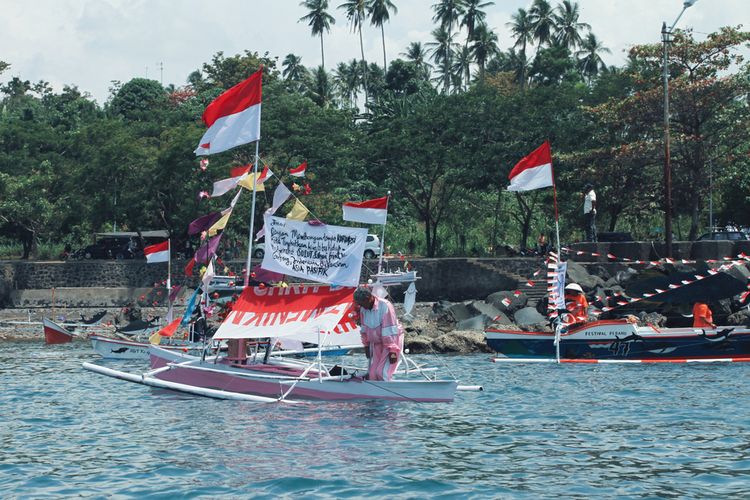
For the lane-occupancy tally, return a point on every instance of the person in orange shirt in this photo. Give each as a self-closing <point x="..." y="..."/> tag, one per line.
<point x="576" y="303"/>
<point x="702" y="316"/>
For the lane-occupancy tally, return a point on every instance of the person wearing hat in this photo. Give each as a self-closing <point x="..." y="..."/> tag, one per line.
<point x="382" y="334"/>
<point x="576" y="303"/>
<point x="589" y="213"/>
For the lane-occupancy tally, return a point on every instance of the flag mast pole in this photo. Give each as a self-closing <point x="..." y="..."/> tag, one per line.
<point x="382" y="239"/>
<point x="557" y="218"/>
<point x="170" y="313"/>
<point x="252" y="215"/>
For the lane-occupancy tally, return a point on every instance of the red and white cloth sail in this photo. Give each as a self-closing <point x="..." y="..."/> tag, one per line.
<point x="299" y="171"/>
<point x="533" y="171"/>
<point x="369" y="212"/>
<point x="233" y="118"/>
<point x="157" y="253"/>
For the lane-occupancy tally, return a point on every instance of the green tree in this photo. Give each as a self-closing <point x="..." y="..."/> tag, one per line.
<point x="416" y="54"/>
<point x="568" y="26"/>
<point x="319" y="21"/>
<point x="380" y="13"/>
<point x="484" y="47"/>
<point x="590" y="61"/>
<point x="442" y="53"/>
<point x="356" y="13"/>
<point x="522" y="28"/>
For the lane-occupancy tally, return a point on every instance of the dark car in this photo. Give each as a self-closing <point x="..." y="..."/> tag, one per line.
<point x="106" y="248"/>
<point x="724" y="236"/>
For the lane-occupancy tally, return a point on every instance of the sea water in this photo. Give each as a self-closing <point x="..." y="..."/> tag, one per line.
<point x="537" y="431"/>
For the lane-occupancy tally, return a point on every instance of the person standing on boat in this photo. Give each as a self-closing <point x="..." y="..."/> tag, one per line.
<point x="589" y="213"/>
<point x="702" y="316"/>
<point x="576" y="303"/>
<point x="382" y="334"/>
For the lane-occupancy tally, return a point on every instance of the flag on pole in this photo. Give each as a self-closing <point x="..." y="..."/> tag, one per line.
<point x="533" y="171"/>
<point x="157" y="253"/>
<point x="233" y="118"/>
<point x="256" y="180"/>
<point x="241" y="170"/>
<point x="298" y="211"/>
<point x="368" y="212"/>
<point x="299" y="171"/>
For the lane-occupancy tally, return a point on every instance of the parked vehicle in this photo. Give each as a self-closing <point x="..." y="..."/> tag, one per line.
<point x="372" y="248"/>
<point x="723" y="236"/>
<point x="119" y="245"/>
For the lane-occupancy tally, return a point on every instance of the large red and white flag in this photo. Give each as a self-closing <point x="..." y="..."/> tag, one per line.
<point x="233" y="118"/>
<point x="157" y="253"/>
<point x="533" y="171"/>
<point x="369" y="212"/>
<point x="299" y="171"/>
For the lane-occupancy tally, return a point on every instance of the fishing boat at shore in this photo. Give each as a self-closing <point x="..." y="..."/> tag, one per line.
<point x="55" y="333"/>
<point x="622" y="341"/>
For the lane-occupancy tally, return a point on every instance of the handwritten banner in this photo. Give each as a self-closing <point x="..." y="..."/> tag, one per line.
<point x="322" y="253"/>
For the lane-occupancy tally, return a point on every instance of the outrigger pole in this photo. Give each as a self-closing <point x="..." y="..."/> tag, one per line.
<point x="252" y="216"/>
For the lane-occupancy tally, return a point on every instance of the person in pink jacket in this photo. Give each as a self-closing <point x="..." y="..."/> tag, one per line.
<point x="382" y="335"/>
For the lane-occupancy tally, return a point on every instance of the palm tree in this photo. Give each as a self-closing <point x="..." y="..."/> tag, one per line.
<point x="348" y="81"/>
<point x="590" y="62"/>
<point x="542" y="22"/>
<point x="474" y="16"/>
<point x="293" y="71"/>
<point x="484" y="47"/>
<point x="319" y="21"/>
<point x="355" y="13"/>
<point x="446" y="13"/>
<point x="320" y="88"/>
<point x="569" y="29"/>
<point x="442" y="54"/>
<point x="379" y="15"/>
<point x="523" y="30"/>
<point x="417" y="55"/>
<point x="461" y="67"/>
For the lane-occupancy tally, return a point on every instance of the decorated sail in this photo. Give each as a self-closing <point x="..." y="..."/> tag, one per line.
<point x="298" y="311"/>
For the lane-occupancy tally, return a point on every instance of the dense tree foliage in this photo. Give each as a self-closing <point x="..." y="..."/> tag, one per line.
<point x="441" y="137"/>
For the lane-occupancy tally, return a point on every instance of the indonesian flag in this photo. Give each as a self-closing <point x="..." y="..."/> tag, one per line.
<point x="533" y="171"/>
<point x="299" y="171"/>
<point x="368" y="212"/>
<point x="233" y="118"/>
<point x="157" y="253"/>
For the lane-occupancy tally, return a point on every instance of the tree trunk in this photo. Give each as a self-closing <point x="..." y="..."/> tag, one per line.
<point x="322" y="54"/>
<point x="364" y="65"/>
<point x="382" y="36"/>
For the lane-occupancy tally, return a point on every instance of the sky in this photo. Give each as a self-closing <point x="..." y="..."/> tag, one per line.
<point x="90" y="43"/>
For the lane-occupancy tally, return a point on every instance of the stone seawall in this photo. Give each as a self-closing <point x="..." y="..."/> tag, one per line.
<point x="112" y="283"/>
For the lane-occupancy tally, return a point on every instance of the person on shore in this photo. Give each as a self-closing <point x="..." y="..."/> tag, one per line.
<point x="589" y="213"/>
<point x="702" y="316"/>
<point x="381" y="332"/>
<point x="542" y="245"/>
<point x="576" y="303"/>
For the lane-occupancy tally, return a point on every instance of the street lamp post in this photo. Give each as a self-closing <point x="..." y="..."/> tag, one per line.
<point x="665" y="34"/>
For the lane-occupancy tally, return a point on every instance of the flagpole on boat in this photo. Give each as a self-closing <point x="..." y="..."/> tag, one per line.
<point x="252" y="216"/>
<point x="170" y="313"/>
<point x="557" y="218"/>
<point x="382" y="238"/>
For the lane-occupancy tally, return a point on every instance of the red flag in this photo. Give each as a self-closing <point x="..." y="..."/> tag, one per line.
<point x="241" y="170"/>
<point x="533" y="171"/>
<point x="157" y="253"/>
<point x="369" y="212"/>
<point x="233" y="118"/>
<point x="299" y="171"/>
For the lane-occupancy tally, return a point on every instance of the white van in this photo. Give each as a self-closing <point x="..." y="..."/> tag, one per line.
<point x="372" y="248"/>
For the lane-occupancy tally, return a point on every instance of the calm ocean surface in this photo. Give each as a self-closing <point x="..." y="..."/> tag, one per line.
<point x="538" y="431"/>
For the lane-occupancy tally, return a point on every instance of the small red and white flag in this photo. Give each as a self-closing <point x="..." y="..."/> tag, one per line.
<point x="299" y="171"/>
<point x="233" y="118"/>
<point x="225" y="185"/>
<point x="368" y="212"/>
<point x="157" y="253"/>
<point x="533" y="171"/>
<point x="265" y="174"/>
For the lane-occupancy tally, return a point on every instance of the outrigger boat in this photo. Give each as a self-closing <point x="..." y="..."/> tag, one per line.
<point x="620" y="341"/>
<point x="112" y="348"/>
<point x="296" y="312"/>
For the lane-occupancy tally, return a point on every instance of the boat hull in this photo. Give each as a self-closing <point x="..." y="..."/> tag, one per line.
<point x="276" y="380"/>
<point x="110" y="348"/>
<point x="56" y="334"/>
<point x="619" y="340"/>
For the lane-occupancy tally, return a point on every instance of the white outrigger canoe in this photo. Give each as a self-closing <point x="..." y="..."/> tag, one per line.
<point x="307" y="312"/>
<point x="112" y="348"/>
